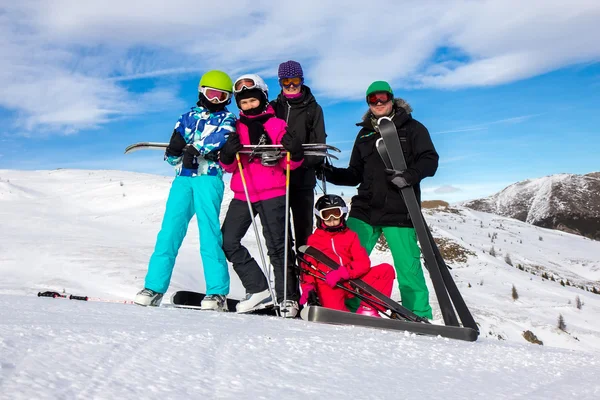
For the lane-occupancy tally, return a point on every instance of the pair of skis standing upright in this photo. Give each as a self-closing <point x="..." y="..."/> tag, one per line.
<point x="400" y="318"/>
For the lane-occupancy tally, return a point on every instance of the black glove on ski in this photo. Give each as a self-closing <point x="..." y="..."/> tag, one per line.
<point x="293" y="144"/>
<point x="176" y="145"/>
<point x="189" y="157"/>
<point x="230" y="148"/>
<point x="400" y="179"/>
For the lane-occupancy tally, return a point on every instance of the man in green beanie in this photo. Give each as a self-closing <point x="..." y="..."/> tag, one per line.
<point x="379" y="206"/>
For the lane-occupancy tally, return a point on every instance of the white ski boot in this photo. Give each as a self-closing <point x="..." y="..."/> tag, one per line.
<point x="255" y="301"/>
<point x="215" y="302"/>
<point x="288" y="309"/>
<point x="148" y="297"/>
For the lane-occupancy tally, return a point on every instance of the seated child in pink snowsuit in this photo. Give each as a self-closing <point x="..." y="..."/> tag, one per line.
<point x="265" y="181"/>
<point x="333" y="238"/>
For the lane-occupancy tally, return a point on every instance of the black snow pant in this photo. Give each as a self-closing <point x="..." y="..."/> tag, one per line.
<point x="272" y="218"/>
<point x="302" y="203"/>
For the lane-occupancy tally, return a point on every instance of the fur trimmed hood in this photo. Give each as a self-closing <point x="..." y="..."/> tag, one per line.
<point x="398" y="104"/>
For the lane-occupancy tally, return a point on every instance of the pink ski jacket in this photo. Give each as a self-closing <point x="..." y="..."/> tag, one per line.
<point x="263" y="182"/>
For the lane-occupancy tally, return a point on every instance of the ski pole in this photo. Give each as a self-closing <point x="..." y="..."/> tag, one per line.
<point x="266" y="270"/>
<point x="65" y="296"/>
<point x="286" y="234"/>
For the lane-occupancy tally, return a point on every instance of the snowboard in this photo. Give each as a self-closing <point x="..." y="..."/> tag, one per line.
<point x="189" y="299"/>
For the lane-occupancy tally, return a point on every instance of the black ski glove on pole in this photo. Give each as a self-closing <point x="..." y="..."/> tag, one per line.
<point x="293" y="144"/>
<point x="324" y="170"/>
<point x="230" y="148"/>
<point x="176" y="145"/>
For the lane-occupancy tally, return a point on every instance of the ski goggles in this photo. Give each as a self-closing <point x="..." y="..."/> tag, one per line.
<point x="379" y="97"/>
<point x="331" y="212"/>
<point x="287" y="82"/>
<point x="211" y="94"/>
<point x="242" y="84"/>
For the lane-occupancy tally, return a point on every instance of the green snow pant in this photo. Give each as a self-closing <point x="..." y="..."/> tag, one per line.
<point x="406" y="254"/>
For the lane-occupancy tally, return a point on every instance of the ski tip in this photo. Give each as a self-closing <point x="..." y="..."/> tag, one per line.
<point x="383" y="119"/>
<point x="303" y="248"/>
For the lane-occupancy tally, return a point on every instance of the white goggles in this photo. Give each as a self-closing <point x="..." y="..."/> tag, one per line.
<point x="211" y="94"/>
<point x="331" y="212"/>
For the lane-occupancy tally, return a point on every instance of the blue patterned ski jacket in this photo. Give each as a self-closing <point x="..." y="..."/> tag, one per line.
<point x="206" y="132"/>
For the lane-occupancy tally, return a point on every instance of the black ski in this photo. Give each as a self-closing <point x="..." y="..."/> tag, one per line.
<point x="329" y="316"/>
<point x="441" y="278"/>
<point x="459" y="303"/>
<point x="189" y="299"/>
<point x="395" y="307"/>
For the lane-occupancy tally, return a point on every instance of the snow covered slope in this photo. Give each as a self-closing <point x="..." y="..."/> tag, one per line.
<point x="92" y="233"/>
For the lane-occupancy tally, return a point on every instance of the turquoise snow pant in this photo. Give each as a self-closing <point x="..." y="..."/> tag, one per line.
<point x="201" y="195"/>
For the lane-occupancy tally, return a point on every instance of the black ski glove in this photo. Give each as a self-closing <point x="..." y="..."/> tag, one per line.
<point x="293" y="144"/>
<point x="176" y="145"/>
<point x="324" y="170"/>
<point x="400" y="179"/>
<point x="189" y="157"/>
<point x="230" y="148"/>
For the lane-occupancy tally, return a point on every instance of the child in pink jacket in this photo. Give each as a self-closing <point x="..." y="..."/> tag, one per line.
<point x="266" y="188"/>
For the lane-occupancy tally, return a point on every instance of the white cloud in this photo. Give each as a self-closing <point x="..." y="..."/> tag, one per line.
<point x="65" y="64"/>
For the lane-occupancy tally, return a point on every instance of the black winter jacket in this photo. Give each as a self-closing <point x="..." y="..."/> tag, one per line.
<point x="378" y="202"/>
<point x="304" y="117"/>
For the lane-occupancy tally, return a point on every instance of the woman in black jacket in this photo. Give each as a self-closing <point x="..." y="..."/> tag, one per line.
<point x="304" y="117"/>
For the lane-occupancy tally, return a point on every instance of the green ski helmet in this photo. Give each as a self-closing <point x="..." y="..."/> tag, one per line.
<point x="379" y="86"/>
<point x="216" y="80"/>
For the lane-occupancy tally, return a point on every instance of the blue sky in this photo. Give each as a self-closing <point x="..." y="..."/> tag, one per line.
<point x="505" y="97"/>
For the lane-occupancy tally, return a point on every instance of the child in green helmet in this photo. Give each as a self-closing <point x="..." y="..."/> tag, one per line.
<point x="197" y="189"/>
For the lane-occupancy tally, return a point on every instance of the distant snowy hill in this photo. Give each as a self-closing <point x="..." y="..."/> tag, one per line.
<point x="567" y="202"/>
<point x="92" y="233"/>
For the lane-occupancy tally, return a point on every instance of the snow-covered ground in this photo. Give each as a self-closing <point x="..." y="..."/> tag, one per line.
<point x="92" y="232"/>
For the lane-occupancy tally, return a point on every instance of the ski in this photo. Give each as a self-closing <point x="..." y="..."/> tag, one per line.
<point x="359" y="284"/>
<point x="444" y="285"/>
<point x="161" y="146"/>
<point x="281" y="153"/>
<point x="190" y="299"/>
<point x="459" y="303"/>
<point x="335" y="317"/>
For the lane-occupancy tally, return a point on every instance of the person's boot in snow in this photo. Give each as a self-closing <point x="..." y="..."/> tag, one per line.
<point x="216" y="302"/>
<point x="148" y="297"/>
<point x="288" y="309"/>
<point x="255" y="301"/>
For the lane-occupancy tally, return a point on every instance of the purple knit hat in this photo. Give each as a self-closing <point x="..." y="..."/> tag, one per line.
<point x="290" y="69"/>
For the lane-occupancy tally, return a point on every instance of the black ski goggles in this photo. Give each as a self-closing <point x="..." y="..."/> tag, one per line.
<point x="379" y="97"/>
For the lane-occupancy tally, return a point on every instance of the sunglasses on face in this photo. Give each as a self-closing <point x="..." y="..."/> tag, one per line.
<point x="287" y="82"/>
<point x="332" y="212"/>
<point x="211" y="94"/>
<point x="244" y="84"/>
<point x="381" y="97"/>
